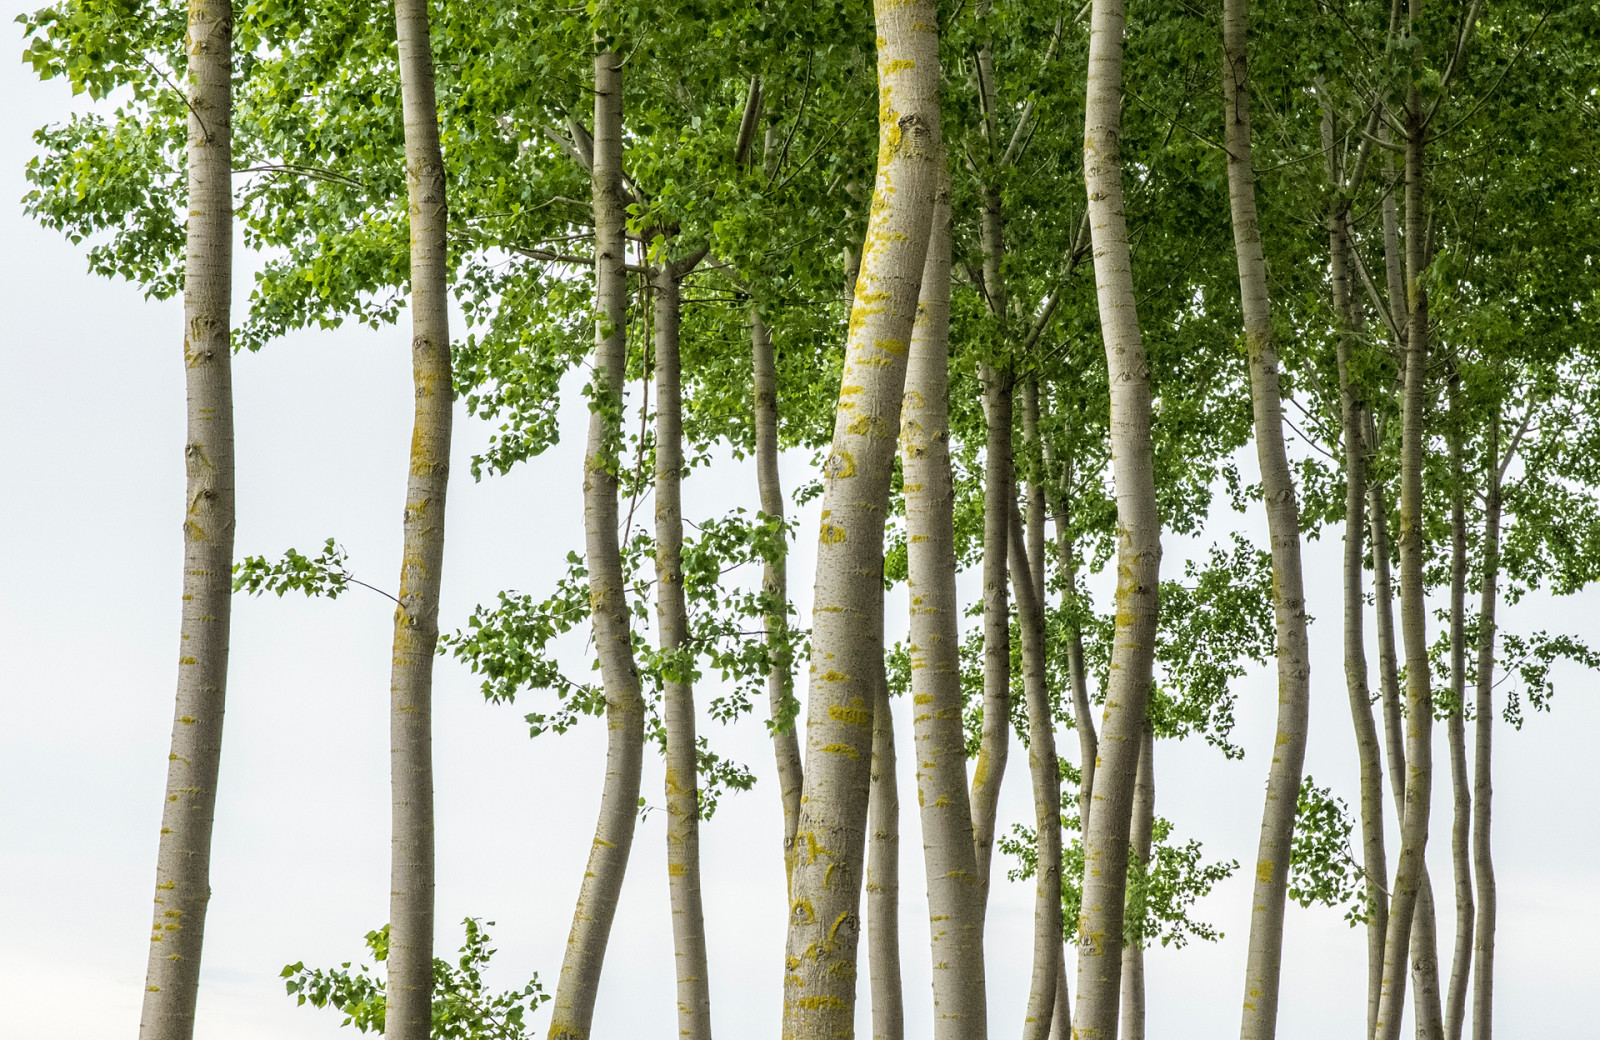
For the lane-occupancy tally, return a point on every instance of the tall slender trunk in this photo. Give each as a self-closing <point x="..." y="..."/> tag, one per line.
<point x="1413" y="605"/>
<point x="883" y="874"/>
<point x="183" y="859"/>
<point x="847" y="641"/>
<point x="1374" y="860"/>
<point x="994" y="743"/>
<point x="1138" y="538"/>
<point x="1388" y="665"/>
<point x="954" y="911"/>
<point x="416" y="631"/>
<point x="1455" y="1006"/>
<point x="1263" y="967"/>
<point x="1144" y="819"/>
<point x="619" y="797"/>
<point x="775" y="586"/>
<point x="1426" y="1004"/>
<point x="1045" y="771"/>
<point x="1483" y="732"/>
<point x="672" y="613"/>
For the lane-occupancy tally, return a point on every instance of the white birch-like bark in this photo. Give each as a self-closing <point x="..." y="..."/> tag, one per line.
<point x="847" y="641"/>
<point x="1263" y="968"/>
<point x="954" y="912"/>
<point x="1144" y="819"/>
<point x="672" y="613"/>
<point x="183" y="859"/>
<point x="775" y="585"/>
<point x="1455" y="1005"/>
<point x="1045" y="771"/>
<point x="1483" y="732"/>
<point x="994" y="744"/>
<point x="409" y="992"/>
<point x="883" y="875"/>
<point x="1100" y="930"/>
<point x="573" y="1007"/>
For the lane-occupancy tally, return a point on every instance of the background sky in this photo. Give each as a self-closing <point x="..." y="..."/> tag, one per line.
<point x="90" y="514"/>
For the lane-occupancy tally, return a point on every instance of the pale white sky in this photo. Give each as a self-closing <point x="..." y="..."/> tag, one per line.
<point x="88" y="630"/>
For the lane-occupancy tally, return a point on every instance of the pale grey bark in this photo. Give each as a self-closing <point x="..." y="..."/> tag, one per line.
<point x="1413" y="607"/>
<point x="409" y="991"/>
<point x="1483" y="732"/>
<point x="1425" y="999"/>
<point x="573" y="1007"/>
<point x="847" y="644"/>
<point x="883" y="874"/>
<point x="1045" y="772"/>
<point x="1100" y="930"/>
<point x="954" y="911"/>
<point x="672" y="613"/>
<point x="775" y="586"/>
<point x="1139" y="839"/>
<point x="183" y="859"/>
<point x="1061" y="1021"/>
<point x="1263" y="968"/>
<point x="1455" y="1006"/>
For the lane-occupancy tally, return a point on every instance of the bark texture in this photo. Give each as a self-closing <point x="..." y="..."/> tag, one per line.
<point x="883" y="875"/>
<point x="619" y="798"/>
<point x="1483" y="733"/>
<point x="775" y="586"/>
<point x="954" y="913"/>
<point x="1139" y="839"/>
<point x="183" y="859"/>
<point x="672" y="613"/>
<point x="1259" y="1020"/>
<point x="1455" y="1005"/>
<point x="416" y="632"/>
<point x="1138" y="538"/>
<point x="847" y="643"/>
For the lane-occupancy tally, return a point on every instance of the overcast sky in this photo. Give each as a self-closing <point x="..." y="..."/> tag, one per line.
<point x="89" y="597"/>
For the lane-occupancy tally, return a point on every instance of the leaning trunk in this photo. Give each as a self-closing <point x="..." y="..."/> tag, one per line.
<point x="1483" y="935"/>
<point x="416" y="632"/>
<point x="1265" y="958"/>
<point x="1455" y="1005"/>
<point x="619" y="798"/>
<point x="934" y="640"/>
<point x="672" y="612"/>
<point x="1045" y="771"/>
<point x="775" y="587"/>
<point x="1138" y="539"/>
<point x="183" y="861"/>
<point x="847" y="640"/>
<point x="883" y="875"/>
<point x="1413" y="605"/>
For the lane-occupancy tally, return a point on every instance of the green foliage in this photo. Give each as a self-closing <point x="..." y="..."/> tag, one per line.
<point x="462" y="1008"/>
<point x="322" y="575"/>
<point x="1322" y="866"/>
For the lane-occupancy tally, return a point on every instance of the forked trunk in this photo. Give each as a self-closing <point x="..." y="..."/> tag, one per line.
<point x="619" y="797"/>
<point x="775" y="587"/>
<point x="1263" y="968"/>
<point x="672" y="613"/>
<point x="1138" y="539"/>
<point x="183" y="860"/>
<point x="847" y="634"/>
<point x="954" y="911"/>
<point x="416" y="630"/>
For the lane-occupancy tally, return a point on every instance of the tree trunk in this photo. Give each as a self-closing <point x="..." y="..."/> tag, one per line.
<point x="1045" y="772"/>
<point x="1425" y="964"/>
<point x="672" y="613"/>
<point x="1483" y="726"/>
<point x="1144" y="819"/>
<point x="1138" y="538"/>
<point x="775" y="587"/>
<point x="416" y="633"/>
<point x="1265" y="959"/>
<point x="883" y="875"/>
<point x="1455" y="1007"/>
<point x="846" y="642"/>
<point x="1413" y="605"/>
<point x="619" y="798"/>
<point x="183" y="860"/>
<point x="994" y="745"/>
<point x="954" y="912"/>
